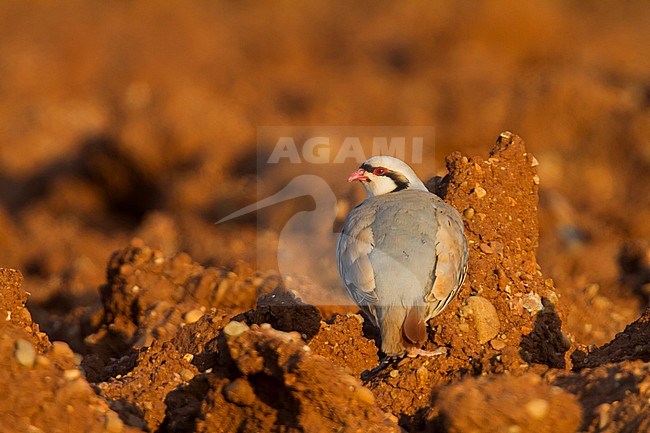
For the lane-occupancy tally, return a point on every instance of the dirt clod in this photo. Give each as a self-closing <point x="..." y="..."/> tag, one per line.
<point x="506" y="403"/>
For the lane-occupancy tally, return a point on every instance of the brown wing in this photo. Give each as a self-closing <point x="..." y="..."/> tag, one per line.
<point x="353" y="256"/>
<point x="451" y="259"/>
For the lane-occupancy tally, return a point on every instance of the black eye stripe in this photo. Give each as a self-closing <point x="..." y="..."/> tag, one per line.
<point x="367" y="167"/>
<point x="401" y="182"/>
<point x="370" y="169"/>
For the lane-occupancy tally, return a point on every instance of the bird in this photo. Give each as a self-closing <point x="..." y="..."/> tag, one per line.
<point x="402" y="254"/>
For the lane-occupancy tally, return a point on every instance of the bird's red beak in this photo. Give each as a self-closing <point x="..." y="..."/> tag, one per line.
<point x="358" y="175"/>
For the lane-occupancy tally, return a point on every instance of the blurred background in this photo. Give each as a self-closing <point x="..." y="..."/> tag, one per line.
<point x="124" y="119"/>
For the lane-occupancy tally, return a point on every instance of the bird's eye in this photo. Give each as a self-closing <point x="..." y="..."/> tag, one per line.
<point x="379" y="171"/>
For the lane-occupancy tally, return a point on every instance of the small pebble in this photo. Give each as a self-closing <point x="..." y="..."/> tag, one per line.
<point x="468" y="213"/>
<point x="486" y="318"/>
<point x="188" y="357"/>
<point x="394" y="373"/>
<point x="506" y="135"/>
<point x="486" y="248"/>
<point x="357" y="317"/>
<point x="532" y="302"/>
<point x="479" y="191"/>
<point x="187" y="375"/>
<point x="25" y="353"/>
<point x="421" y="375"/>
<point x="536" y="180"/>
<point x="537" y="408"/>
<point x="497" y="344"/>
<point x="192" y="316"/>
<point x="234" y="328"/>
<point x="61" y="348"/>
<point x="71" y="374"/>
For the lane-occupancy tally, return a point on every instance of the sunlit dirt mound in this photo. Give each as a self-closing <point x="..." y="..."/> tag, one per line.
<point x="43" y="389"/>
<point x="178" y="347"/>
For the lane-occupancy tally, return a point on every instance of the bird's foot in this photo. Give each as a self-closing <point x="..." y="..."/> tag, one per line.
<point x="413" y="352"/>
<point x="385" y="362"/>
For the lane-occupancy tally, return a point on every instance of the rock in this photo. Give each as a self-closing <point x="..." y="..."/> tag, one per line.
<point x="25" y="353"/>
<point x="187" y="375"/>
<point x="71" y="374"/>
<point x="234" y="329"/>
<point x="486" y="248"/>
<point x="61" y="348"/>
<point x="497" y="344"/>
<point x="192" y="316"/>
<point x="537" y="408"/>
<point x="486" y="319"/>
<point x="532" y="303"/>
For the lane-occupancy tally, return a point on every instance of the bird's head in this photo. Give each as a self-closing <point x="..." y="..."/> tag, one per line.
<point x="383" y="174"/>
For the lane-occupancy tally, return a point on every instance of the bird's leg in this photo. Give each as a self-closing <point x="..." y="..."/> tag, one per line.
<point x="412" y="352"/>
<point x="385" y="362"/>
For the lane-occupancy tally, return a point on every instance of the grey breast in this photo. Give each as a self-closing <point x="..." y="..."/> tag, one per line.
<point x="405" y="248"/>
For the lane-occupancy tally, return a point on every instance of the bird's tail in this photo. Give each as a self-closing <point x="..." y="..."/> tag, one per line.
<point x="414" y="328"/>
<point x="401" y="328"/>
